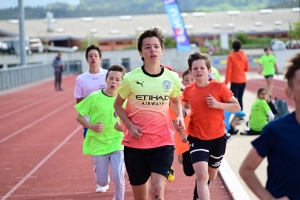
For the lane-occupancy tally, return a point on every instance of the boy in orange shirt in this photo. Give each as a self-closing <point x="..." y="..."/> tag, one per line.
<point x="206" y="100"/>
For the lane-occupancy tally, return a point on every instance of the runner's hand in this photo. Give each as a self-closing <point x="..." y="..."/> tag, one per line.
<point x="183" y="137"/>
<point x="179" y="158"/>
<point x="212" y="102"/>
<point x="135" y="131"/>
<point x="119" y="126"/>
<point x="98" y="127"/>
<point x="179" y="124"/>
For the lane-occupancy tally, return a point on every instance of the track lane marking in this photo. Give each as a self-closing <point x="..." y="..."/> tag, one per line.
<point x="40" y="164"/>
<point x="35" y="122"/>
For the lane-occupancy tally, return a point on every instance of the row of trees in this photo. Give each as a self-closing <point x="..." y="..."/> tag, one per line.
<point x="91" y="8"/>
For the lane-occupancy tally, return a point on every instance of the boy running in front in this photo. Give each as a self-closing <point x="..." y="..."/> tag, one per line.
<point x="206" y="100"/>
<point x="102" y="140"/>
<point x="149" y="134"/>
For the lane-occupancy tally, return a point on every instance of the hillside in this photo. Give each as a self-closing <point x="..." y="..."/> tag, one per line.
<point x="92" y="8"/>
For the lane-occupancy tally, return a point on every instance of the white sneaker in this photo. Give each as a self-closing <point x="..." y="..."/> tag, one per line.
<point x="102" y="189"/>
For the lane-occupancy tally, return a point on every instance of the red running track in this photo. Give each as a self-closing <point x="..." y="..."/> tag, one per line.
<point x="41" y="150"/>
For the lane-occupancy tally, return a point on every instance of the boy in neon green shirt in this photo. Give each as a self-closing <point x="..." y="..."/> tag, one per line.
<point x="103" y="142"/>
<point x="268" y="63"/>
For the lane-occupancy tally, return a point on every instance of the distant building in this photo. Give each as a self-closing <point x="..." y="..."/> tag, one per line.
<point x="118" y="32"/>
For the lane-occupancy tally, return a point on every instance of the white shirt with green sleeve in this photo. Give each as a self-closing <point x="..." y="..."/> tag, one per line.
<point x="100" y="109"/>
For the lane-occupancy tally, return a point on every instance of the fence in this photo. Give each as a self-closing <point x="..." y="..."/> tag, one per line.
<point x="16" y="76"/>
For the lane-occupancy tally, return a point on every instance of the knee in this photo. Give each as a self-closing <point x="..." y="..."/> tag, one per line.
<point x="102" y="182"/>
<point x="202" y="176"/>
<point x="157" y="191"/>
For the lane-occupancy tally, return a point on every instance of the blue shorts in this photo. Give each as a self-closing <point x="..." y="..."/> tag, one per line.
<point x="84" y="132"/>
<point x="269" y="76"/>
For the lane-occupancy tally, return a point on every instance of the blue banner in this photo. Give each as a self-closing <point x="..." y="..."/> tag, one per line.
<point x="180" y="35"/>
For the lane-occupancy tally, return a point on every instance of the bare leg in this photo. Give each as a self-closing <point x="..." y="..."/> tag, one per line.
<point x="202" y="175"/>
<point x="269" y="85"/>
<point x="140" y="192"/>
<point x="157" y="186"/>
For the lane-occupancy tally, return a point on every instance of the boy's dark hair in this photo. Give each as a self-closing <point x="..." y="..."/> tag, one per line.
<point x="266" y="49"/>
<point x="236" y="45"/>
<point x="199" y="56"/>
<point x="116" y="68"/>
<point x="291" y="69"/>
<point x="260" y="90"/>
<point x="153" y="32"/>
<point x="93" y="47"/>
<point x="184" y="73"/>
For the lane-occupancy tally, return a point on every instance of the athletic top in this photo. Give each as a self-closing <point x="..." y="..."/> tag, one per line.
<point x="237" y="65"/>
<point x="100" y="108"/>
<point x="279" y="142"/>
<point x="148" y="106"/>
<point x="87" y="83"/>
<point x="259" y="113"/>
<point x="206" y="123"/>
<point x="268" y="61"/>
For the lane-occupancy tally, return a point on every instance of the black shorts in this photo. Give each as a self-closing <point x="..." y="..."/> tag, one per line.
<point x="140" y="163"/>
<point x="211" y="151"/>
<point x="269" y="76"/>
<point x="187" y="164"/>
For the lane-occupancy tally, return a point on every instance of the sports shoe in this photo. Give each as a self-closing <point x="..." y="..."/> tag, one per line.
<point x="241" y="120"/>
<point x="102" y="189"/>
<point x="171" y="175"/>
<point x="228" y="137"/>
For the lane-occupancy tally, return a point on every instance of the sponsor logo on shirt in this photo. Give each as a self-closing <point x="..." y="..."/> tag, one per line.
<point x="166" y="84"/>
<point x="153" y="100"/>
<point x="140" y="83"/>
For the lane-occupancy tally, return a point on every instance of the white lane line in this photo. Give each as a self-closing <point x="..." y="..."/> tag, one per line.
<point x="235" y="188"/>
<point x="41" y="163"/>
<point x="28" y="106"/>
<point x="35" y="122"/>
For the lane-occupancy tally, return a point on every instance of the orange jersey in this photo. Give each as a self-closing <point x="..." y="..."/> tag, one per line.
<point x="180" y="147"/>
<point x="237" y="65"/>
<point x="206" y="123"/>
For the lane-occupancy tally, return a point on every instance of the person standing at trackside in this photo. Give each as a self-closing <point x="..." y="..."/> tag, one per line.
<point x="90" y="81"/>
<point x="206" y="100"/>
<point x="237" y="65"/>
<point x="103" y="142"/>
<point x="279" y="143"/>
<point x="149" y="133"/>
<point x="58" y="66"/>
<point x="267" y="65"/>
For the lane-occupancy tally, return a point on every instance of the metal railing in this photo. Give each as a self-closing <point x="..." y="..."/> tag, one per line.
<point x="16" y="76"/>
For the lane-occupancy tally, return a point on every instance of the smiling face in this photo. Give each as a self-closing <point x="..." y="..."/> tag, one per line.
<point x="113" y="80"/>
<point x="151" y="50"/>
<point x="200" y="71"/>
<point x="93" y="58"/>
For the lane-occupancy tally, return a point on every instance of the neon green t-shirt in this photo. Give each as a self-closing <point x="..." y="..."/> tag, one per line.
<point x="268" y="62"/>
<point x="148" y="106"/>
<point x="100" y="109"/>
<point x="259" y="113"/>
<point x="216" y="72"/>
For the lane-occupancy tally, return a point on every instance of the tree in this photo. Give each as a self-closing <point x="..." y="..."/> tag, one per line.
<point x="295" y="30"/>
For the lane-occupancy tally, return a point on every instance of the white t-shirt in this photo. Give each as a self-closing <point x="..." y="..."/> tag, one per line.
<point x="86" y="83"/>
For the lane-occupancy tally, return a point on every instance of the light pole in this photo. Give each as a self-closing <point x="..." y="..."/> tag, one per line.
<point x="22" y="33"/>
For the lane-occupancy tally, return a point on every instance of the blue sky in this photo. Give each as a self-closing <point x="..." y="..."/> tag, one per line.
<point x="33" y="3"/>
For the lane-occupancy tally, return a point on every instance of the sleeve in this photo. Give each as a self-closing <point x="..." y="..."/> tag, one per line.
<point x="226" y="93"/>
<point x="228" y="69"/>
<point x="84" y="107"/>
<point x="78" y="89"/>
<point x="176" y="92"/>
<point x="184" y="95"/>
<point x="273" y="108"/>
<point x="264" y="143"/>
<point x="124" y="89"/>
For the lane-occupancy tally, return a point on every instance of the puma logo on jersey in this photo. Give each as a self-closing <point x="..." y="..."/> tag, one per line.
<point x="140" y="83"/>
